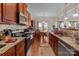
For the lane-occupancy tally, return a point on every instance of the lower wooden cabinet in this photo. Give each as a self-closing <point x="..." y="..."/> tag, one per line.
<point x="76" y="53"/>
<point x="9" y="52"/>
<point x="53" y="41"/>
<point x="17" y="50"/>
<point x="20" y="48"/>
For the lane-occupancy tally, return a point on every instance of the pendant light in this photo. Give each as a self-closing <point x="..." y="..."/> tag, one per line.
<point x="65" y="12"/>
<point x="76" y="13"/>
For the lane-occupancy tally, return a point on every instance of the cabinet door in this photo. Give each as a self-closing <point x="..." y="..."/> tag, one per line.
<point x="53" y="43"/>
<point x="32" y="23"/>
<point x="76" y="53"/>
<point x="0" y="13"/>
<point x="9" y="52"/>
<point x="10" y="12"/>
<point x="21" y="7"/>
<point x="25" y="9"/>
<point x="56" y="45"/>
<point x="20" y="48"/>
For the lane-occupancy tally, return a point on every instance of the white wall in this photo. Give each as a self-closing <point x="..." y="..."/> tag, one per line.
<point x="49" y="20"/>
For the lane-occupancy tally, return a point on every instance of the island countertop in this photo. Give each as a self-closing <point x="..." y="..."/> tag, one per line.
<point x="68" y="40"/>
<point x="9" y="45"/>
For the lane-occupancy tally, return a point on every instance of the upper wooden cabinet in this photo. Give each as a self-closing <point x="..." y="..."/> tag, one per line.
<point x="25" y="10"/>
<point x="23" y="13"/>
<point x="9" y="12"/>
<point x="21" y="7"/>
<point x="0" y="13"/>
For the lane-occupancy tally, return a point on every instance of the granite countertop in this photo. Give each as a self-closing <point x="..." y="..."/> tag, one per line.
<point x="9" y="45"/>
<point x="68" y="40"/>
<point x="30" y="32"/>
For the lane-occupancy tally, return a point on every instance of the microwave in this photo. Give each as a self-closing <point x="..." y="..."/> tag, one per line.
<point x="23" y="19"/>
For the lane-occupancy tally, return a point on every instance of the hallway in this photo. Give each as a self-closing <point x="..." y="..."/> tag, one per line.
<point x="40" y="49"/>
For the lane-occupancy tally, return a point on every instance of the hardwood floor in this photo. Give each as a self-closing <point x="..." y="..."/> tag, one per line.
<point x="46" y="50"/>
<point x="40" y="49"/>
<point x="35" y="48"/>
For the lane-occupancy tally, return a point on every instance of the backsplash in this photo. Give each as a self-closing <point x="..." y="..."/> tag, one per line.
<point x="13" y="27"/>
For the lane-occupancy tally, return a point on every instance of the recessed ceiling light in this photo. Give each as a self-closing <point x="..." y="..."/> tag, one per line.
<point x="66" y="18"/>
<point x="75" y="15"/>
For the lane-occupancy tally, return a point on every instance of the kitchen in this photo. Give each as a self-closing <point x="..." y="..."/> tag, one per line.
<point x="16" y="29"/>
<point x="39" y="29"/>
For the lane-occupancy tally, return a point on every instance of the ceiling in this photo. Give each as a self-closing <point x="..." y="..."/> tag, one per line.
<point x="45" y="9"/>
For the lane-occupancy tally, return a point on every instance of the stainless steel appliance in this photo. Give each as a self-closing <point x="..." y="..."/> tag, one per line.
<point x="23" y="19"/>
<point x="65" y="50"/>
<point x="2" y="45"/>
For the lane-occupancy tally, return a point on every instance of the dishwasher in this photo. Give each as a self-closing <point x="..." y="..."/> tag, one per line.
<point x="64" y="49"/>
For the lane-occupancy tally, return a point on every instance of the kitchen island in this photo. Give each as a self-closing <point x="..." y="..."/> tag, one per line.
<point x="71" y="41"/>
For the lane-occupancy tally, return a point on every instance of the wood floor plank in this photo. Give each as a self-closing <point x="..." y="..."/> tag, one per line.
<point x="35" y="46"/>
<point x="38" y="49"/>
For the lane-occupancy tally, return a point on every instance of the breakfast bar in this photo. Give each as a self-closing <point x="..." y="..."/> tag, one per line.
<point x="71" y="41"/>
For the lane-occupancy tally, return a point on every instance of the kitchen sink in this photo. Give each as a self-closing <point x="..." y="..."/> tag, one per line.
<point x="12" y="40"/>
<point x="2" y="45"/>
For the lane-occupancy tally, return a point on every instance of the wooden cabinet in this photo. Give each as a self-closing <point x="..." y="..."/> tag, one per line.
<point x="16" y="50"/>
<point x="9" y="12"/>
<point x="29" y="19"/>
<point x="20" y="48"/>
<point x="9" y="52"/>
<point x="24" y="12"/>
<point x="56" y="45"/>
<point x="0" y="12"/>
<point x="32" y="23"/>
<point x="21" y="7"/>
<point x="53" y="41"/>
<point x="25" y="9"/>
<point x="76" y="53"/>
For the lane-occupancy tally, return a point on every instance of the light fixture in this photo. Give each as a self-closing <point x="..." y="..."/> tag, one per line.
<point x="65" y="12"/>
<point x="66" y="18"/>
<point x="76" y="13"/>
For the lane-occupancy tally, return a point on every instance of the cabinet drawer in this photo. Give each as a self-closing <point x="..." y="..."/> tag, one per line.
<point x="10" y="52"/>
<point x="20" y="51"/>
<point x="20" y="48"/>
<point x="20" y="44"/>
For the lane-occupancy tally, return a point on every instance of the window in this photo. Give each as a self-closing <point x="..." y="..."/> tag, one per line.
<point x="42" y="26"/>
